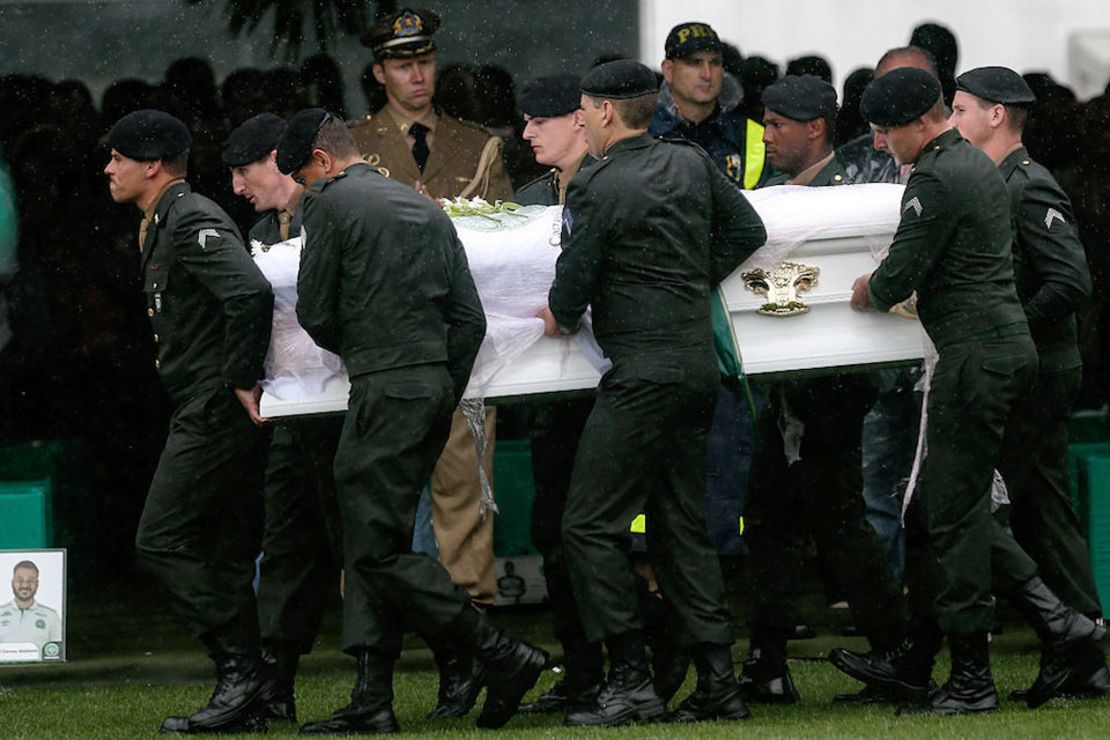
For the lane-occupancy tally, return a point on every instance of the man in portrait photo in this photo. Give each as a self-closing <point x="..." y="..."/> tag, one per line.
<point x="23" y="619"/>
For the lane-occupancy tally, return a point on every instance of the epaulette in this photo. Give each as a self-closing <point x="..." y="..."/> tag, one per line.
<point x="675" y="140"/>
<point x="470" y="125"/>
<point x="550" y="173"/>
<point x="364" y="121"/>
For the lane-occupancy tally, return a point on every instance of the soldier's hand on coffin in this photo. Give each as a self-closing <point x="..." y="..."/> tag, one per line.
<point x="861" y="294"/>
<point x="550" y="327"/>
<point x="423" y="190"/>
<point x="249" y="398"/>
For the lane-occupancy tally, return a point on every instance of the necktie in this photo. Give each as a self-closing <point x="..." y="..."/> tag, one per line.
<point x="142" y="231"/>
<point x="284" y="219"/>
<point x="420" y="151"/>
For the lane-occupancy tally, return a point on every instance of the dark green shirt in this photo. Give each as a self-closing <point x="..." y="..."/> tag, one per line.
<point x="830" y="174"/>
<point x="384" y="281"/>
<point x="1050" y="266"/>
<point x="648" y="231"/>
<point x="952" y="245"/>
<point x="543" y="191"/>
<point x="209" y="305"/>
<point x="267" y="230"/>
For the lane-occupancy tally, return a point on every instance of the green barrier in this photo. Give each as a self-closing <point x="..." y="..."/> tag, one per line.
<point x="514" y="491"/>
<point x="1089" y="428"/>
<point x="25" y="515"/>
<point x="63" y="462"/>
<point x="1075" y="453"/>
<point x="1094" y="515"/>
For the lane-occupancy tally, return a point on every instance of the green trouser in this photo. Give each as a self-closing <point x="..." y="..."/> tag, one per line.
<point x="1034" y="465"/>
<point x="644" y="449"/>
<point x="200" y="530"/>
<point x="818" y="496"/>
<point x="396" y="426"/>
<point x="553" y="451"/>
<point x="301" y="540"/>
<point x="974" y="387"/>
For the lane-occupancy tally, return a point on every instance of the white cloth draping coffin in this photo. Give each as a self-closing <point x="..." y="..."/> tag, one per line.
<point x="512" y="258"/>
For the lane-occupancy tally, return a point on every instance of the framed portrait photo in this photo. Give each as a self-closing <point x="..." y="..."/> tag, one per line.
<point x="32" y="606"/>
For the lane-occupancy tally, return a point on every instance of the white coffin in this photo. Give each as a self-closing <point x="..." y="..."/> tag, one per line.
<point x="805" y="225"/>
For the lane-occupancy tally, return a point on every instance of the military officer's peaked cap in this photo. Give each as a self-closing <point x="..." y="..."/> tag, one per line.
<point x="997" y="85"/>
<point x="801" y="98"/>
<point x="900" y="96"/>
<point x="253" y="140"/>
<point x="552" y="96"/>
<point x="407" y="33"/>
<point x="689" y="38"/>
<point x="619" y="80"/>
<point x="295" y="146"/>
<point x="147" y="135"/>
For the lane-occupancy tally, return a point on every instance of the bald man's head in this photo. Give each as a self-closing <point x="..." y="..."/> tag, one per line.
<point x="906" y="56"/>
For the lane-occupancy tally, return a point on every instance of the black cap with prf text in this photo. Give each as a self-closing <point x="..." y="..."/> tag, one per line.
<point x="997" y="85"/>
<point x="619" y="80"/>
<point x="147" y="135"/>
<point x="549" y="97"/>
<point x="407" y="33"/>
<point x="253" y="140"/>
<point x="900" y="96"/>
<point x="295" y="146"/>
<point x="689" y="38"/>
<point x="801" y="98"/>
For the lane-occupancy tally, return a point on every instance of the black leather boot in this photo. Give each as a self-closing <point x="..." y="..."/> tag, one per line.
<point x="628" y="694"/>
<point x="1069" y="650"/>
<point x="717" y="695"/>
<point x="902" y="674"/>
<point x="670" y="661"/>
<point x="765" y="677"/>
<point x="278" y="702"/>
<point x="580" y="685"/>
<point x="1094" y="686"/>
<point x="371" y="709"/>
<point x="460" y="681"/>
<point x="235" y="704"/>
<point x="970" y="686"/>
<point x="869" y="694"/>
<point x="511" y="666"/>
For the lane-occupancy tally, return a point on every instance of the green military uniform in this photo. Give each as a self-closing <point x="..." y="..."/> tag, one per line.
<point x="555" y="435"/>
<point x="953" y="248"/>
<point x="210" y="309"/>
<point x="465" y="159"/>
<point x="382" y="273"/>
<point x="544" y="190"/>
<point x="817" y="496"/>
<point x="301" y="539"/>
<point x="646" y="260"/>
<point x="1050" y="268"/>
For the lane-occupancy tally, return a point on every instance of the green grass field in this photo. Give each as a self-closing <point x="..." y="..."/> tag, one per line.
<point x="126" y="696"/>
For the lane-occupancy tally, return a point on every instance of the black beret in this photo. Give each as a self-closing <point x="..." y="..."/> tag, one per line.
<point x="406" y="33"/>
<point x="253" y="139"/>
<point x="688" y="38"/>
<point x="147" y="135"/>
<point x="997" y="85"/>
<point x="900" y="96"/>
<point x="552" y="96"/>
<point x="801" y="98"/>
<point x="295" y="146"/>
<point x="618" y="80"/>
